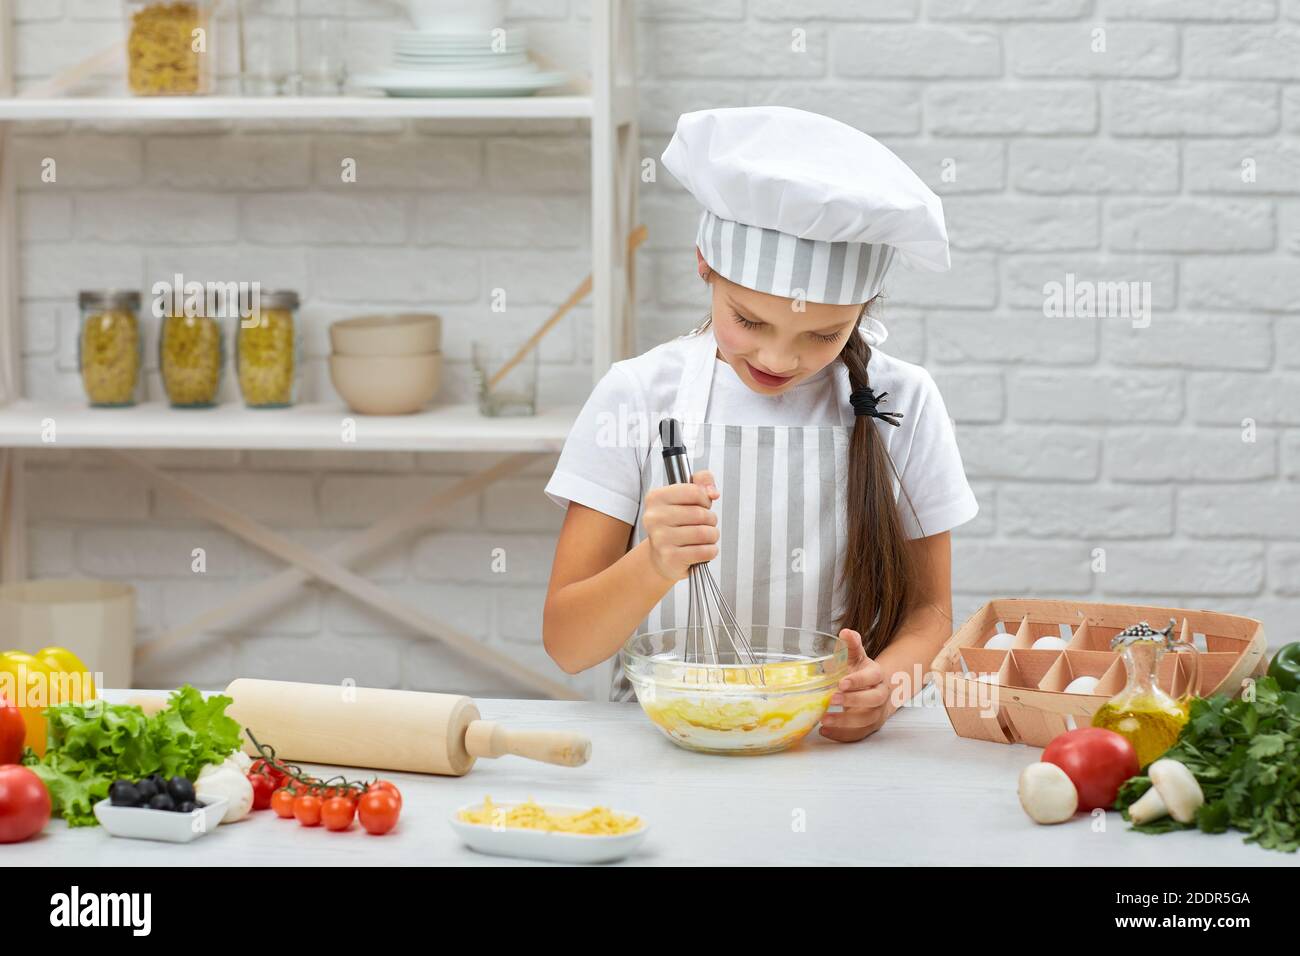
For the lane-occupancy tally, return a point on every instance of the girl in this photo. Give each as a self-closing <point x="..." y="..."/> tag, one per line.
<point x="828" y="475"/>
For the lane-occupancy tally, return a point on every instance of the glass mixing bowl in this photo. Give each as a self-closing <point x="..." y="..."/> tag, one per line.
<point x="731" y="707"/>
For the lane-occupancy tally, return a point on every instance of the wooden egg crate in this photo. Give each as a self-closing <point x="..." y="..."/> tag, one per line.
<point x="1017" y="694"/>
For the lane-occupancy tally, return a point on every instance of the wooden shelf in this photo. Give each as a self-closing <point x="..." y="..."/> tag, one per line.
<point x="146" y="108"/>
<point x="311" y="427"/>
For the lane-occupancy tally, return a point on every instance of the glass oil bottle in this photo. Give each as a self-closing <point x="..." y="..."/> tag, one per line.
<point x="1150" y="718"/>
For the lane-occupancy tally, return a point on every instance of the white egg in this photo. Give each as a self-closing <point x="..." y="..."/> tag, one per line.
<point x="1000" y="642"/>
<point x="1049" y="643"/>
<point x="1082" y="685"/>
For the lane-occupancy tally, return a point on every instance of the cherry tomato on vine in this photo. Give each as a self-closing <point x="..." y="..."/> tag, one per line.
<point x="282" y="803"/>
<point x="271" y="770"/>
<point x="386" y="785"/>
<point x="378" y="811"/>
<point x="337" y="813"/>
<point x="306" y="809"/>
<point x="263" y="790"/>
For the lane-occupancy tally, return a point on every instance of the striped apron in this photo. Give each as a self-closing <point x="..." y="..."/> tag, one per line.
<point x="781" y="513"/>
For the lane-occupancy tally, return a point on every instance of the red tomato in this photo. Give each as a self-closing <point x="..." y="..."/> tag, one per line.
<point x="263" y="790"/>
<point x="24" y="804"/>
<point x="386" y="785"/>
<point x="306" y="809"/>
<point x="12" y="732"/>
<point x="378" y="811"/>
<point x="337" y="813"/>
<point x="1096" y="760"/>
<point x="282" y="803"/>
<point x="275" y="773"/>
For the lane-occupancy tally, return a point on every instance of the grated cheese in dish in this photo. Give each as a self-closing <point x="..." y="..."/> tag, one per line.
<point x="529" y="815"/>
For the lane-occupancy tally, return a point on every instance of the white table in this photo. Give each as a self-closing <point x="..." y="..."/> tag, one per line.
<point x="913" y="794"/>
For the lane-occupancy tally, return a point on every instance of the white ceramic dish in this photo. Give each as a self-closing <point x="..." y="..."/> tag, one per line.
<point x="543" y="845"/>
<point x="137" y="823"/>
<point x="386" y="384"/>
<point x="403" y="333"/>
<point x="493" y="61"/>
<point x="456" y="14"/>
<point x="397" y="82"/>
<point x="484" y="46"/>
<point x="479" y="37"/>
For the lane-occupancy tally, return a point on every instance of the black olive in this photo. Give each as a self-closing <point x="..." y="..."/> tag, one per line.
<point x="124" y="793"/>
<point x="180" y="789"/>
<point x="160" y="801"/>
<point x="146" y="789"/>
<point x="188" y="806"/>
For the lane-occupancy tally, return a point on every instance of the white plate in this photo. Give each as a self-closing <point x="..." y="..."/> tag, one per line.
<point x="450" y="55"/>
<point x="471" y="57"/>
<point x="138" y="823"/>
<point x="485" y="45"/>
<point x="450" y="64"/>
<point x="544" y="845"/>
<point x="406" y="82"/>
<point x="470" y="44"/>
<point x="456" y="36"/>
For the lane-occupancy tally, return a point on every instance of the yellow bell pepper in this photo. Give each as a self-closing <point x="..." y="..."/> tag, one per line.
<point x="25" y="682"/>
<point x="78" y="683"/>
<point x="32" y="682"/>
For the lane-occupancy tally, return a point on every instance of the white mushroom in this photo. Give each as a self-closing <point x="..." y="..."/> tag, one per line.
<point x="1047" y="794"/>
<point x="1174" y="791"/>
<point x="242" y="761"/>
<point x="224" y="780"/>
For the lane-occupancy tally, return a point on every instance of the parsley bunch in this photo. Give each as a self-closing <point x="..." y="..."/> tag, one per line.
<point x="1245" y="754"/>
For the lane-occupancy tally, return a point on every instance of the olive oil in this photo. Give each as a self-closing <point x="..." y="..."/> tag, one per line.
<point x="1148" y="717"/>
<point x="1151" y="724"/>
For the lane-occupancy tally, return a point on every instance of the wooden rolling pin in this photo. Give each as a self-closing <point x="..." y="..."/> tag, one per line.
<point x="386" y="729"/>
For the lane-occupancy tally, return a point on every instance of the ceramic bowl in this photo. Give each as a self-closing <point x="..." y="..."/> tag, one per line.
<point x="386" y="384"/>
<point x="410" y="333"/>
<point x="140" y="823"/>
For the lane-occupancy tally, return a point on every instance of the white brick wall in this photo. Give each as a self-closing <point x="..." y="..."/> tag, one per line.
<point x="1122" y="165"/>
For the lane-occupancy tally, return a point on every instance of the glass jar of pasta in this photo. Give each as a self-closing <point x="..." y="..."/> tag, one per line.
<point x="109" y="346"/>
<point x="268" y="349"/>
<point x="170" y="47"/>
<point x="191" y="356"/>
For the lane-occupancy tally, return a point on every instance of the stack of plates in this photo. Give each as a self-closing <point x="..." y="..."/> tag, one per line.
<point x="442" y="63"/>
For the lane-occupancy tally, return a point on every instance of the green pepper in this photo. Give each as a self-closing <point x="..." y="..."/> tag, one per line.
<point x="1285" y="668"/>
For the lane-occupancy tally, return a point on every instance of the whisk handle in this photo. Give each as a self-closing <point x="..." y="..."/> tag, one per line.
<point x="676" y="463"/>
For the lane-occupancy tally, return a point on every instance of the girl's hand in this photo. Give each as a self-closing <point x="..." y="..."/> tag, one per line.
<point x="862" y="693"/>
<point x="679" y="525"/>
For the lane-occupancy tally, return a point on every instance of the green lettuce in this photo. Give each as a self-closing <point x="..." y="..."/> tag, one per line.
<point x="90" y="745"/>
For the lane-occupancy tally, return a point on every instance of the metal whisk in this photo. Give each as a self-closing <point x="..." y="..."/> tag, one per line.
<point x="713" y="635"/>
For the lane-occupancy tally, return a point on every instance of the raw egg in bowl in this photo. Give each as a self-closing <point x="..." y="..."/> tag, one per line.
<point x="724" y="705"/>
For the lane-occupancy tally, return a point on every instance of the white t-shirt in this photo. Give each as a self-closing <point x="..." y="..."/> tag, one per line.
<point x="599" y="468"/>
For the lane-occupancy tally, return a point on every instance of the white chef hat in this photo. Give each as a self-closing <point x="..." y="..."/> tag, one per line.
<point x="797" y="204"/>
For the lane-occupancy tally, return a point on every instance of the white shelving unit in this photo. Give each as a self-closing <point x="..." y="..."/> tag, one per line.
<point x="309" y="427"/>
<point x="145" y="108"/>
<point x="26" y="425"/>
